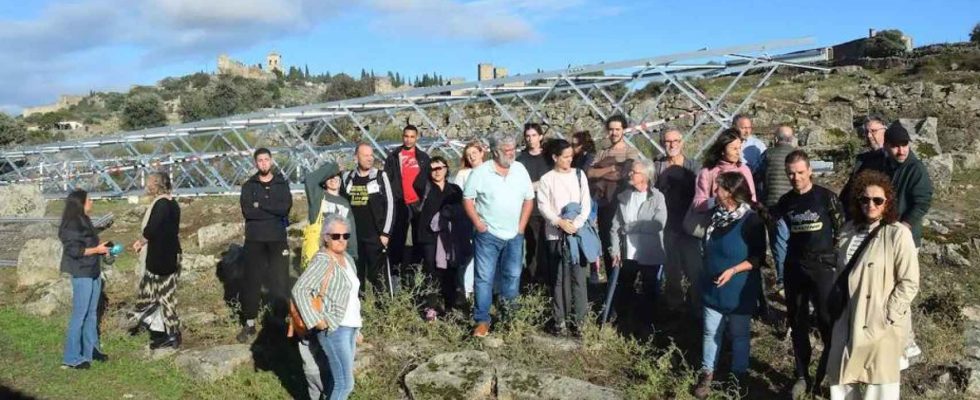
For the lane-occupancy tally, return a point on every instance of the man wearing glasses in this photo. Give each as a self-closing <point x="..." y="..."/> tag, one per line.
<point x="874" y="130"/>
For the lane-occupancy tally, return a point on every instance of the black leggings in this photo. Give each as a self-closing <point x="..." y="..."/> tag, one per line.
<point x="265" y="263"/>
<point x="444" y="280"/>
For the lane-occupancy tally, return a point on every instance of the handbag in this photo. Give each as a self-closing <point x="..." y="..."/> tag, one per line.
<point x="311" y="240"/>
<point x="696" y="222"/>
<point x="296" y="325"/>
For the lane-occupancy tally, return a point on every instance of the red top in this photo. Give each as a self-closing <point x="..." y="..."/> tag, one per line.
<point x="410" y="170"/>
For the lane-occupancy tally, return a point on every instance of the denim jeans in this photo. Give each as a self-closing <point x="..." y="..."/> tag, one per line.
<point x="495" y="256"/>
<point x="714" y="329"/>
<point x="339" y="347"/>
<point x="778" y="242"/>
<point x="83" y="334"/>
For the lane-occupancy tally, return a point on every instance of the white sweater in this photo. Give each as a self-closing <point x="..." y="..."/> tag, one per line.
<point x="555" y="191"/>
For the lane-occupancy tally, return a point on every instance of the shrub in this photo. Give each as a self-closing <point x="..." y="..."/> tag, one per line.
<point x="885" y="44"/>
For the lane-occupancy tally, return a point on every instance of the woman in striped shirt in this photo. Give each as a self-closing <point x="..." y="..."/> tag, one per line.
<point x="332" y="276"/>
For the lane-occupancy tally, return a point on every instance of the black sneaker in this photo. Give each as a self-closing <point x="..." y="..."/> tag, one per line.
<point x="100" y="357"/>
<point x="246" y="334"/>
<point x="84" y="365"/>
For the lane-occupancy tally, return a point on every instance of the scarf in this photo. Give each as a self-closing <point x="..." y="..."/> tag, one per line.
<point x="721" y="217"/>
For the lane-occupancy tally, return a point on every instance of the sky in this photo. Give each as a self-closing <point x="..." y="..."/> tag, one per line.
<point x="74" y="47"/>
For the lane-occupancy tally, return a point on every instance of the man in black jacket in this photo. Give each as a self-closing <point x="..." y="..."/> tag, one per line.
<point x="408" y="169"/>
<point x="265" y="203"/>
<point x="370" y="195"/>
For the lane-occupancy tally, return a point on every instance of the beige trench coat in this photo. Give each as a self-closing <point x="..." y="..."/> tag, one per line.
<point x="870" y="336"/>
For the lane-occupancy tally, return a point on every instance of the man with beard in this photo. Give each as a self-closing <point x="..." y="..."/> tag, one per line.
<point x="607" y="178"/>
<point x="814" y="217"/>
<point x="498" y="199"/>
<point x="265" y="202"/>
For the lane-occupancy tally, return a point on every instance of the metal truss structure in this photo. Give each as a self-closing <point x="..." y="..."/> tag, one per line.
<point x="214" y="156"/>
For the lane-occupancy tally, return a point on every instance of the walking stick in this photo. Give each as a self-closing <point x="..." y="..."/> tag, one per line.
<point x="391" y="285"/>
<point x="609" y="293"/>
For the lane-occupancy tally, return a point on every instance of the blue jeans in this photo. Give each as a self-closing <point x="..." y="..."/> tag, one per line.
<point x="714" y="329"/>
<point x="492" y="256"/>
<point x="779" y="238"/>
<point x="83" y="327"/>
<point x="339" y="347"/>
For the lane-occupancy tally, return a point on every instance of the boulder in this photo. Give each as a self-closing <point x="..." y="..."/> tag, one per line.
<point x="848" y="69"/>
<point x="811" y="96"/>
<point x="514" y="384"/>
<point x="464" y="375"/>
<point x="554" y="343"/>
<point x="198" y="262"/>
<point x="940" y="171"/>
<point x="21" y="201"/>
<point x="950" y="255"/>
<point x="213" y="363"/>
<point x="51" y="298"/>
<point x="39" y="262"/>
<point x="923" y="132"/>
<point x="40" y="231"/>
<point x="219" y="234"/>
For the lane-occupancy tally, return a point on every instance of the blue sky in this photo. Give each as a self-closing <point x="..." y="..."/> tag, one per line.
<point x="54" y="47"/>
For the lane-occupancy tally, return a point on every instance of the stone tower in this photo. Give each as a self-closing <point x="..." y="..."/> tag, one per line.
<point x="484" y="71"/>
<point x="273" y="62"/>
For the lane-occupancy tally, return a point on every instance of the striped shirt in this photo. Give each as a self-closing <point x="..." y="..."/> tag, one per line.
<point x="336" y="298"/>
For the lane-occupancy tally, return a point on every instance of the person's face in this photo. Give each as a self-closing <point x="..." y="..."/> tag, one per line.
<point x="673" y="143"/>
<point x="733" y="151"/>
<point x="615" y="131"/>
<point x="564" y="160"/>
<point x="151" y="185"/>
<point x="576" y="146"/>
<point x="438" y="171"/>
<point x="333" y="184"/>
<point x="475" y="156"/>
<point x="875" y="134"/>
<point x="409" y="138"/>
<point x="899" y="152"/>
<point x="723" y="196"/>
<point x="88" y="205"/>
<point x="638" y="178"/>
<point x="744" y="127"/>
<point x="507" y="154"/>
<point x="339" y="245"/>
<point x="799" y="175"/>
<point x="263" y="163"/>
<point x="365" y="157"/>
<point x="532" y="138"/>
<point x="873" y="202"/>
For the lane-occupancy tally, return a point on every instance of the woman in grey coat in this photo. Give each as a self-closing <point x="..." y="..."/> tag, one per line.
<point x="637" y="247"/>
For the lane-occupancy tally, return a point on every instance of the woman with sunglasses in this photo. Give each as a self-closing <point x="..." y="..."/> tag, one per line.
<point x="443" y="234"/>
<point x="332" y="276"/>
<point x="880" y="277"/>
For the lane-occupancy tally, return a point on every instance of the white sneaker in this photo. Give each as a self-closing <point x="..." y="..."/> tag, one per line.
<point x="912" y="350"/>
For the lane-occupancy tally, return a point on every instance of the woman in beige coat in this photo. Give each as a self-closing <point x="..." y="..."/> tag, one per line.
<point x="870" y="335"/>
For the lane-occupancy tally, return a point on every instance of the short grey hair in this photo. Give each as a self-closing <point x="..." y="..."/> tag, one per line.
<point x="499" y="139"/>
<point x="669" y="129"/>
<point x="874" y="118"/>
<point x="783" y="137"/>
<point x="329" y="221"/>
<point x="647" y="167"/>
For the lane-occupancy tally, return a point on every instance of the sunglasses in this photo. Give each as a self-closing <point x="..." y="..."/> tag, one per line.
<point x="338" y="236"/>
<point x="434" y="169"/>
<point x="865" y="200"/>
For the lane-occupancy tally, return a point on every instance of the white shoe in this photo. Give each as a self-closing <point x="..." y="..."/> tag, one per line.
<point x="912" y="350"/>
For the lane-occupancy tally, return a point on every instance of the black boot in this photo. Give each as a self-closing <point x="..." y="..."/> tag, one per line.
<point x="157" y="339"/>
<point x="172" y="340"/>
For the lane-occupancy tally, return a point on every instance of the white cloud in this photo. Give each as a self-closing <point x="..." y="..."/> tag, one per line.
<point x="67" y="40"/>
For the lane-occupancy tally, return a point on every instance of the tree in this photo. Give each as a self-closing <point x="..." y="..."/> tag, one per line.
<point x="224" y="99"/>
<point x="143" y="110"/>
<point x="975" y="34"/>
<point x="194" y="106"/>
<point x="342" y="86"/>
<point x="11" y="131"/>
<point x="886" y="43"/>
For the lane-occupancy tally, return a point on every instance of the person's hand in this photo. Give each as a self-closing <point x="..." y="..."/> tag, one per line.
<point x="567" y="226"/>
<point x="102" y="248"/>
<point x="384" y="240"/>
<point x="322" y="325"/>
<point x="137" y="245"/>
<point x="481" y="227"/>
<point x="617" y="261"/>
<point x="359" y="339"/>
<point x="725" y="276"/>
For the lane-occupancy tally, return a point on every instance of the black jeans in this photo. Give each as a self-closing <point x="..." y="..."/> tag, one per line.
<point x="536" y="252"/>
<point x="604" y="218"/>
<point x="569" y="290"/>
<point x="406" y="217"/>
<point x="635" y="308"/>
<point x="444" y="280"/>
<point x="810" y="280"/>
<point x="266" y="263"/>
<point x="370" y="265"/>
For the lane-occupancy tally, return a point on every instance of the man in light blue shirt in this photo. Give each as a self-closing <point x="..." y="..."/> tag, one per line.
<point x="752" y="147"/>
<point x="498" y="198"/>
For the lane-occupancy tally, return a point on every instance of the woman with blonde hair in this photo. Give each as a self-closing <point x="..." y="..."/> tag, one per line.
<point x="159" y="258"/>
<point x="473" y="156"/>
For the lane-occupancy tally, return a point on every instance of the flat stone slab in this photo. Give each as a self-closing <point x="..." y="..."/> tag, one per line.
<point x="466" y="375"/>
<point x="517" y="384"/>
<point x="213" y="363"/>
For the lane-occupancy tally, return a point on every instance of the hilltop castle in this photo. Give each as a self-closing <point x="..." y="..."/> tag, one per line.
<point x="228" y="66"/>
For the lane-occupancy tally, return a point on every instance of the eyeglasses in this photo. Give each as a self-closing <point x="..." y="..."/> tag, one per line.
<point x="434" y="169"/>
<point x="865" y="200"/>
<point x="338" y="236"/>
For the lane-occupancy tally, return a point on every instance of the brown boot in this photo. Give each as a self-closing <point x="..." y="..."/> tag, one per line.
<point x="703" y="388"/>
<point x="482" y="330"/>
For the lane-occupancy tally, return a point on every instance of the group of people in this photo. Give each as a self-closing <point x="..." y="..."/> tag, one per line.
<point x="695" y="235"/>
